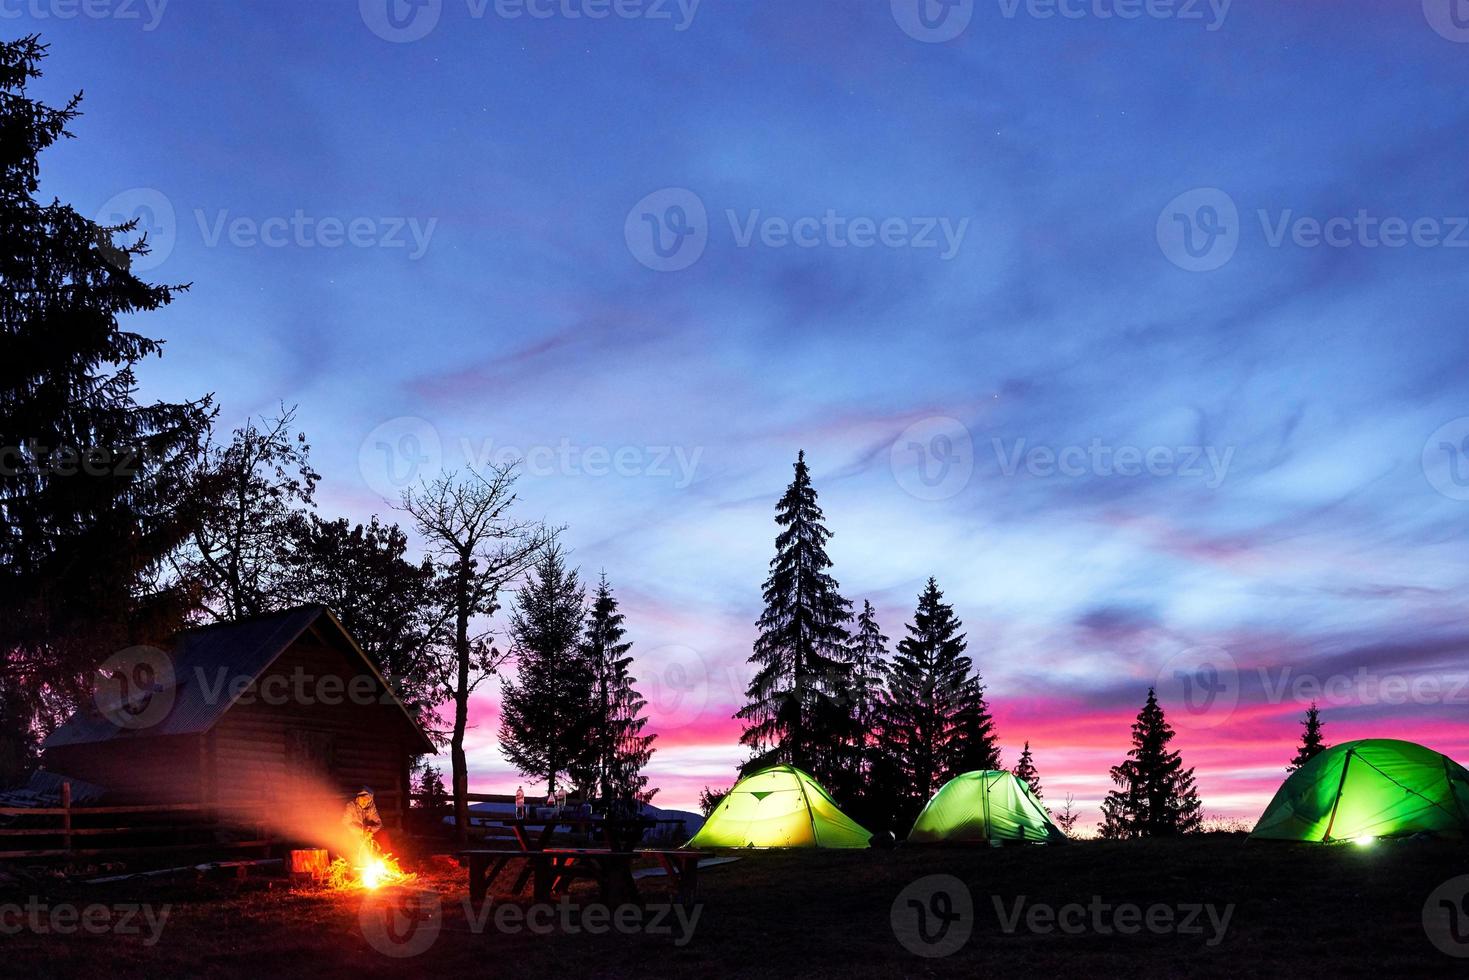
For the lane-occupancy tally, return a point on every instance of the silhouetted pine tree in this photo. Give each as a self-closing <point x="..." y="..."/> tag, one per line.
<point x="869" y="672"/>
<point x="934" y="722"/>
<point x="875" y="783"/>
<point x="1312" y="743"/>
<point x="547" y="710"/>
<point x="1026" y="772"/>
<point x="798" y="709"/>
<point x="618" y="748"/>
<point x="977" y="744"/>
<point x="1156" y="796"/>
<point x="94" y="493"/>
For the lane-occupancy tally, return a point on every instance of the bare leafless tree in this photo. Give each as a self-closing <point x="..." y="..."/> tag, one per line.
<point x="1067" y="816"/>
<point x="466" y="523"/>
<point x="252" y="492"/>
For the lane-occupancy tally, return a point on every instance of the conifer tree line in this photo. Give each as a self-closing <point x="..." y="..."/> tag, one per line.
<point x="573" y="714"/>
<point x="122" y="521"/>
<point x="881" y="730"/>
<point x="884" y="727"/>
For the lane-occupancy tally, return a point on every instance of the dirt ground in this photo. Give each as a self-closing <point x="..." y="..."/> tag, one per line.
<point x="1209" y="907"/>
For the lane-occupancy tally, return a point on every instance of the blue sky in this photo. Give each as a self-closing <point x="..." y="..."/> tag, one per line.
<point x="1022" y="308"/>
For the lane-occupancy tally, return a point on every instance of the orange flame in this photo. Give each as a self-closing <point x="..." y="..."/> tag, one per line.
<point x="373" y="870"/>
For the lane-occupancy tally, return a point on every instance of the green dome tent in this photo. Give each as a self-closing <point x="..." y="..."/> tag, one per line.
<point x="779" y="807"/>
<point x="984" y="806"/>
<point x="1369" y="789"/>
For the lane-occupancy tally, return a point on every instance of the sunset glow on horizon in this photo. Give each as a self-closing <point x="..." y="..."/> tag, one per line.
<point x="1128" y="460"/>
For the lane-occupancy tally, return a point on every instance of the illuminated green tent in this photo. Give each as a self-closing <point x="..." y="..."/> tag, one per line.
<point x="779" y="807"/>
<point x="984" y="806"/>
<point x="1369" y="789"/>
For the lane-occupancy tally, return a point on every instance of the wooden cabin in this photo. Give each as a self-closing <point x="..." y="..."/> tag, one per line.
<point x="235" y="728"/>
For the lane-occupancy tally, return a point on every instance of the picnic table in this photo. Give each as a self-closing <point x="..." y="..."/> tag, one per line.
<point x="621" y="833"/>
<point x="554" y="868"/>
<point x="533" y="836"/>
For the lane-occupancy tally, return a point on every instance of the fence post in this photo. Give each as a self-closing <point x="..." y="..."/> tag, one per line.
<point x="267" y="828"/>
<point x="66" y="816"/>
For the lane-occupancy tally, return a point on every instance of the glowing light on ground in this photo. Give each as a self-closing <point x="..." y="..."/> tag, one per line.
<point x="372" y="871"/>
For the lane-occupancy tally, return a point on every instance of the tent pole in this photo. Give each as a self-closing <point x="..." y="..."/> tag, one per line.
<point x="1336" y="800"/>
<point x="810" y="814"/>
<point x="984" y="801"/>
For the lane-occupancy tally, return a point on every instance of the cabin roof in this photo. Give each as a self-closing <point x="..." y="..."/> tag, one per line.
<point x="206" y="662"/>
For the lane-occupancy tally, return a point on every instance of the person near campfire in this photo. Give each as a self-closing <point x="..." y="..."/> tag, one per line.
<point x="361" y="819"/>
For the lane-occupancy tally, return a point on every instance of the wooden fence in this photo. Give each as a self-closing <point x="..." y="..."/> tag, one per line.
<point x="428" y="822"/>
<point x="66" y="831"/>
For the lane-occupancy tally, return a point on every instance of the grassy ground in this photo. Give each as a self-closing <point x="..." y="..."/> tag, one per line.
<point x="1303" y="911"/>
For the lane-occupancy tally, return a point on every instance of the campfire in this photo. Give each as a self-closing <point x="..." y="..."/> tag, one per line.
<point x="372" y="870"/>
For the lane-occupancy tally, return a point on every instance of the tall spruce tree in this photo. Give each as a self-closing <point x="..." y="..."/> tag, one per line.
<point x="935" y="723"/>
<point x="93" y="488"/>
<point x="869" y="673"/>
<point x="1156" y="795"/>
<point x="547" y="709"/>
<point x="1026" y="772"/>
<point x="618" y="750"/>
<point x="1312" y="743"/>
<point x="798" y="709"/>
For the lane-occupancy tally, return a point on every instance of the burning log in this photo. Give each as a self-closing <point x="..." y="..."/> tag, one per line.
<point x="310" y="865"/>
<point x="372" y="870"/>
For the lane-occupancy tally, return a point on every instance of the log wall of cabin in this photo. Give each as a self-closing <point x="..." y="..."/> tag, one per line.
<point x="134" y="770"/>
<point x="253" y="753"/>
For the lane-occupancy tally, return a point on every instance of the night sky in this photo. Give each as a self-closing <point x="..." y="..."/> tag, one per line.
<point x="1143" y="336"/>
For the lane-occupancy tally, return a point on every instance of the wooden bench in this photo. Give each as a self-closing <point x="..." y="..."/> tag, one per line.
<point x="484" y="865"/>
<point x="683" y="869"/>
<point x="553" y="870"/>
<point x="611" y="870"/>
